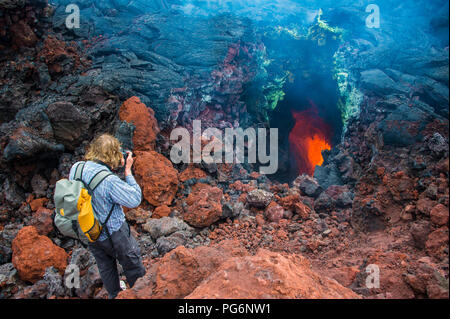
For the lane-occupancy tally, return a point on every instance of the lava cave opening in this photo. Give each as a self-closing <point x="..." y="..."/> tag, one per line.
<point x="308" y="121"/>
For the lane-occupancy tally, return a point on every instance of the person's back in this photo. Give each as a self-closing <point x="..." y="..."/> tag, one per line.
<point x="116" y="241"/>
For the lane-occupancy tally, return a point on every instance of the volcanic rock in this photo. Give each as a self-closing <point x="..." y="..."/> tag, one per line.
<point x="42" y="220"/>
<point x="138" y="215"/>
<point x="33" y="254"/>
<point x="274" y="212"/>
<point x="204" y="206"/>
<point x="143" y="118"/>
<point x="157" y="177"/>
<point x="192" y="265"/>
<point x="308" y="185"/>
<point x="164" y="226"/>
<point x="269" y="275"/>
<point x="437" y="242"/>
<point x="259" y="198"/>
<point x="161" y="211"/>
<point x="439" y="215"/>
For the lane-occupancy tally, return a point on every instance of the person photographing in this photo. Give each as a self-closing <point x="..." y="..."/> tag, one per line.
<point x="115" y="242"/>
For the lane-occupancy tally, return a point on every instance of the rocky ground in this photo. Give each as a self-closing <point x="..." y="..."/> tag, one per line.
<point x="225" y="231"/>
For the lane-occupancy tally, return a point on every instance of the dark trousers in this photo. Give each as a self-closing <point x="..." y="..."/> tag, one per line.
<point x="126" y="250"/>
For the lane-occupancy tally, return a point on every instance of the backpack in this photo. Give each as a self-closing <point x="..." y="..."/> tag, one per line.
<point x="74" y="214"/>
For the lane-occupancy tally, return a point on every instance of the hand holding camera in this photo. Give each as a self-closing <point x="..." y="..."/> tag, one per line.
<point x="127" y="162"/>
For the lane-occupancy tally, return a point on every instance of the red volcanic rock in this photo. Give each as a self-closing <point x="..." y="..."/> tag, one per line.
<point x="137" y="113"/>
<point x="179" y="272"/>
<point x="157" y="177"/>
<point x="437" y="242"/>
<point x="274" y="212"/>
<point x="55" y="51"/>
<point x="425" y="205"/>
<point x="294" y="203"/>
<point x="33" y="253"/>
<point x="204" y="206"/>
<point x="38" y="203"/>
<point x="137" y="215"/>
<point x="22" y="35"/>
<point x="161" y="211"/>
<point x="439" y="215"/>
<point x="42" y="221"/>
<point x="190" y="173"/>
<point x="269" y="275"/>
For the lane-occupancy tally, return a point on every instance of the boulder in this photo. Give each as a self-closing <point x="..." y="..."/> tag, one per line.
<point x="162" y="280"/>
<point x="135" y="112"/>
<point x="164" y="226"/>
<point x="34" y="253"/>
<point x="161" y="211"/>
<point x="138" y="215"/>
<point x="274" y="212"/>
<point x="269" y="275"/>
<point x="439" y="215"/>
<point x="308" y="185"/>
<point x="157" y="177"/>
<point x="203" y="206"/>
<point x="259" y="198"/>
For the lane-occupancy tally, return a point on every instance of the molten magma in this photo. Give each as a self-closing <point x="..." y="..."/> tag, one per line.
<point x="309" y="137"/>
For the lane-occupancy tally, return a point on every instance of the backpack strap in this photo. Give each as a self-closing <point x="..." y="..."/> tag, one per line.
<point x="98" y="178"/>
<point x="79" y="171"/>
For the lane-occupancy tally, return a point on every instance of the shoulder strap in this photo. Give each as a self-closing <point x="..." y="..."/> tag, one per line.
<point x="79" y="171"/>
<point x="98" y="178"/>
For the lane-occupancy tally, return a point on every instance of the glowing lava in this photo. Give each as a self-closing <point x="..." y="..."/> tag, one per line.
<point x="309" y="137"/>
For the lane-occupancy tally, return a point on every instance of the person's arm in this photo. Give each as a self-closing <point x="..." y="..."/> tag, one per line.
<point x="125" y="193"/>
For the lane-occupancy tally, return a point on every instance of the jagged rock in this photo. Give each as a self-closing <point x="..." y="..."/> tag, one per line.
<point x="269" y="275"/>
<point x="203" y="206"/>
<point x="438" y="145"/>
<point x="259" y="198"/>
<point x="404" y="126"/>
<point x="138" y="215"/>
<point x="378" y="82"/>
<point x="193" y="265"/>
<point x="8" y="279"/>
<point x="69" y="123"/>
<point x="161" y="211"/>
<point x="12" y="194"/>
<point x="232" y="210"/>
<point x="51" y="285"/>
<point x="167" y="244"/>
<point x="308" y="185"/>
<point x="142" y="117"/>
<point x="439" y="215"/>
<point x="274" y="212"/>
<point x="39" y="185"/>
<point x="158" y="178"/>
<point x="33" y="254"/>
<point x="165" y="226"/>
<point x="42" y="220"/>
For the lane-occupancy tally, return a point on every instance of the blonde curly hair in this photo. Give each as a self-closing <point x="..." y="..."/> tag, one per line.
<point x="105" y="148"/>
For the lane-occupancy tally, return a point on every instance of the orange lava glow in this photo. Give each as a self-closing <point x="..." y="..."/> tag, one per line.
<point x="309" y="137"/>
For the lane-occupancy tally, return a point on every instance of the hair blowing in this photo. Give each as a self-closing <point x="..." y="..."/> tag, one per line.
<point x="105" y="148"/>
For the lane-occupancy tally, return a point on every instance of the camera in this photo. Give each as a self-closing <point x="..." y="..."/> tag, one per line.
<point x="125" y="156"/>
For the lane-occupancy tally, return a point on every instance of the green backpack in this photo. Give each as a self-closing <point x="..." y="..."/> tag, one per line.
<point x="74" y="214"/>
